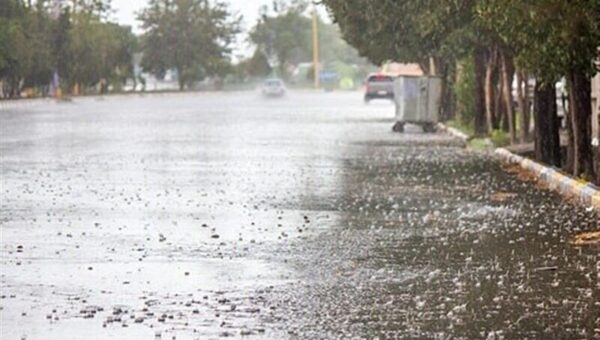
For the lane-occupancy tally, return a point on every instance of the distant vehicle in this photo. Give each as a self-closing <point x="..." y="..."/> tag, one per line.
<point x="328" y="80"/>
<point x="379" y="86"/>
<point x="273" y="88"/>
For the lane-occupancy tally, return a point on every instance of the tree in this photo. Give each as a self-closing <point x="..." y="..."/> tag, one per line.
<point x="61" y="47"/>
<point x="554" y="39"/>
<point x="333" y="49"/>
<point x="549" y="39"/>
<point x="257" y="66"/>
<point x="284" y="36"/>
<point x="547" y="139"/>
<point x="431" y="33"/>
<point x="100" y="52"/>
<point x="382" y="31"/>
<point x="100" y="9"/>
<point x="38" y="28"/>
<point x="77" y="41"/>
<point x="14" y="49"/>
<point x="191" y="36"/>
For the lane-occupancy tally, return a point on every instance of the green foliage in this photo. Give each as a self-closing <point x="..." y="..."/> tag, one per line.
<point x="12" y="50"/>
<point x="25" y="57"/>
<point x="284" y="36"/>
<point x="83" y="48"/>
<point x="190" y="36"/>
<point x="62" y="44"/>
<point x="404" y="31"/>
<point x="256" y="67"/>
<point x="500" y="138"/>
<point x="99" y="51"/>
<point x="461" y="126"/>
<point x="548" y="37"/>
<point x="38" y="32"/>
<point x="464" y="87"/>
<point x="480" y="144"/>
<point x="333" y="49"/>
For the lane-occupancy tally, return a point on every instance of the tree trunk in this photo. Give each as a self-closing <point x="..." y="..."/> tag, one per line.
<point x="499" y="104"/>
<point x="437" y="67"/>
<point x="570" y="161"/>
<point x="523" y="104"/>
<point x="14" y="88"/>
<point x="489" y="88"/>
<point x="432" y="67"/>
<point x="458" y="78"/>
<point x="480" y="117"/>
<point x="180" y="78"/>
<point x="503" y="117"/>
<point x="425" y="64"/>
<point x="507" y="78"/>
<point x="547" y="139"/>
<point x="447" y="107"/>
<point x="581" y="122"/>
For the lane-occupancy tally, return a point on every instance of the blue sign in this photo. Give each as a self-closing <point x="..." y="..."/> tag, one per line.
<point x="328" y="75"/>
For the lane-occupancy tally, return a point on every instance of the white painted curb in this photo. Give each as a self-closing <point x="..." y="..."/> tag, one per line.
<point x="586" y="193"/>
<point x="454" y="132"/>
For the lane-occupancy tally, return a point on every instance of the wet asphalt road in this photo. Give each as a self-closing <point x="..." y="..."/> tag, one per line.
<point x="200" y="216"/>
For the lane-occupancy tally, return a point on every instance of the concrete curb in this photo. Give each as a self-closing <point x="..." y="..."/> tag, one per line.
<point x="454" y="132"/>
<point x="587" y="193"/>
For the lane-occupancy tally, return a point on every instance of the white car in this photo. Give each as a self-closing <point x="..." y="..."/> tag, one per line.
<point x="273" y="88"/>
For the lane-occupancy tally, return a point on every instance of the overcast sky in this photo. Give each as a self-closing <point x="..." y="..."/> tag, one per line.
<point x="126" y="14"/>
<point x="126" y="9"/>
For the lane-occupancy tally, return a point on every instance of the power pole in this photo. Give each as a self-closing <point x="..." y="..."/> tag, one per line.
<point x="315" y="29"/>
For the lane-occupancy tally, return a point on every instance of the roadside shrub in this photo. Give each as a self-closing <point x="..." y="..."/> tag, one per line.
<point x="461" y="126"/>
<point x="500" y="138"/>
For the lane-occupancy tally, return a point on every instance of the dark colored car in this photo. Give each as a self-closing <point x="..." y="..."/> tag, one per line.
<point x="379" y="86"/>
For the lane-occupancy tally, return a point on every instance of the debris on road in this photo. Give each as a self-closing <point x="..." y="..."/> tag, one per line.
<point x="586" y="239"/>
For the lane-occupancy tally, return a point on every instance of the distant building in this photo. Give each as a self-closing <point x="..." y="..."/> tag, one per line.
<point x="399" y="69"/>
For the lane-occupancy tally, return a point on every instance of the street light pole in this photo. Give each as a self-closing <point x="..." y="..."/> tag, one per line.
<point x="315" y="29"/>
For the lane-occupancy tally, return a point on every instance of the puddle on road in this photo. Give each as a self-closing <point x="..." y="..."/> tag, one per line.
<point x="44" y="299"/>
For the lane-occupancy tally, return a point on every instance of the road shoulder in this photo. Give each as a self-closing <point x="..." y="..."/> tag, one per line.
<point x="583" y="192"/>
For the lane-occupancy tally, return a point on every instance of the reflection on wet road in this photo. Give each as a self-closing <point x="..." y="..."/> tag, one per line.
<point x="201" y="216"/>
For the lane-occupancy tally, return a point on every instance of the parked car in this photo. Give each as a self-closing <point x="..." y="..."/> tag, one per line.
<point x="273" y="87"/>
<point x="379" y="86"/>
